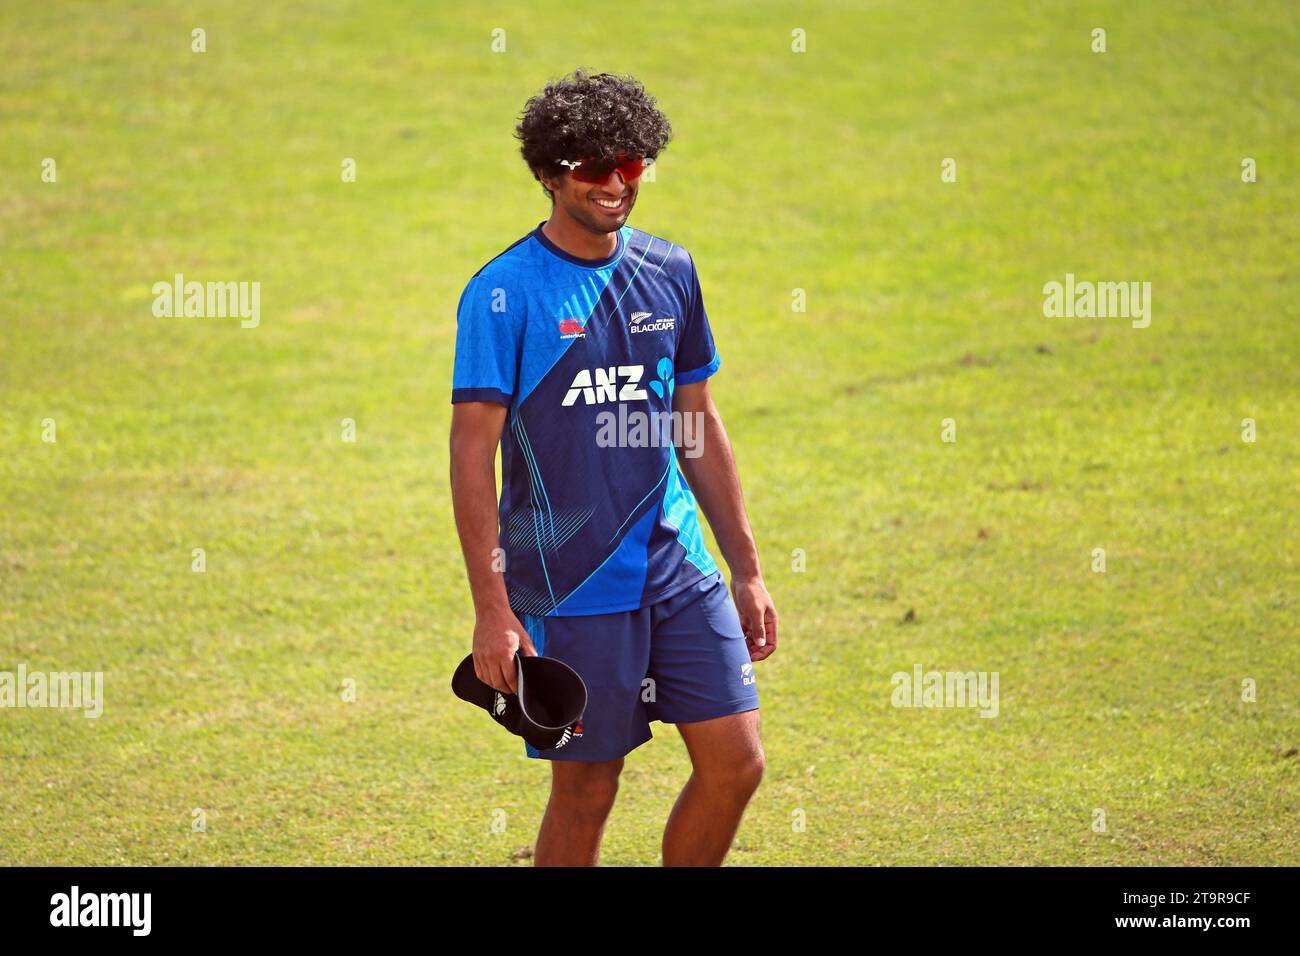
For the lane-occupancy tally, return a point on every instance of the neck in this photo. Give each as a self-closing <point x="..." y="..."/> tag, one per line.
<point x="576" y="239"/>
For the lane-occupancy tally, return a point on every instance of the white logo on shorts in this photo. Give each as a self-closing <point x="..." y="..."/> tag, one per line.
<point x="747" y="675"/>
<point x="499" y="704"/>
<point x="572" y="732"/>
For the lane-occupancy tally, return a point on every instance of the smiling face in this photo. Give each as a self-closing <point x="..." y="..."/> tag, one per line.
<point x="598" y="208"/>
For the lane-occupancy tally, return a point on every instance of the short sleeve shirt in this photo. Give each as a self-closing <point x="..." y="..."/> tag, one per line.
<point x="595" y="514"/>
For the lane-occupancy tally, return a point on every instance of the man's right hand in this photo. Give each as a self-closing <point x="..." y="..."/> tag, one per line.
<point x="497" y="635"/>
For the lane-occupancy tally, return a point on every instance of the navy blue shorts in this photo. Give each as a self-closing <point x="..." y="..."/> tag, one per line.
<point x="678" y="661"/>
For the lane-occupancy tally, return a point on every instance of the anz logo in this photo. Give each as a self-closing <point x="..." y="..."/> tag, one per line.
<point x="619" y="383"/>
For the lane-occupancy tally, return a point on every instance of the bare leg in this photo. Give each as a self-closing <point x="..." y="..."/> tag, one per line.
<point x="727" y="764"/>
<point x="582" y="794"/>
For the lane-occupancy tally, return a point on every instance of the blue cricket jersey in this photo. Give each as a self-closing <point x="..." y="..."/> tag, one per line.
<point x="568" y="345"/>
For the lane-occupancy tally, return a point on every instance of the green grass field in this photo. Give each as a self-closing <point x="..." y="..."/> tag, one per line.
<point x="330" y="562"/>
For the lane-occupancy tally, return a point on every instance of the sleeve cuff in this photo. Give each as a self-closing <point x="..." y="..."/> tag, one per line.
<point x="480" y="395"/>
<point x="699" y="374"/>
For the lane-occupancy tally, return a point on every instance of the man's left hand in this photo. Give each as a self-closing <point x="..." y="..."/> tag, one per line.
<point x="757" y="617"/>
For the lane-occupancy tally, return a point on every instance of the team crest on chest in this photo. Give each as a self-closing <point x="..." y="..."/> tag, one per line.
<point x="646" y="322"/>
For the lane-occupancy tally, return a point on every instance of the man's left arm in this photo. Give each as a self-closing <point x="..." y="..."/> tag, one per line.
<point x="710" y="469"/>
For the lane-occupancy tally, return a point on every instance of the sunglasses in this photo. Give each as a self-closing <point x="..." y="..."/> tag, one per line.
<point x="599" y="171"/>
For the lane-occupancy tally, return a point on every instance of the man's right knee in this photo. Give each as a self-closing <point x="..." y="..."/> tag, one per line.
<point x="586" y="788"/>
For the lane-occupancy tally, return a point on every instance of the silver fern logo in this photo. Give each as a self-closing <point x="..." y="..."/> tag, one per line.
<point x="498" y="704"/>
<point x="645" y="322"/>
<point x="570" y="733"/>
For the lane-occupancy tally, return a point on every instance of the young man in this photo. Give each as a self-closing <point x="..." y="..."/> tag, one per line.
<point x="585" y="351"/>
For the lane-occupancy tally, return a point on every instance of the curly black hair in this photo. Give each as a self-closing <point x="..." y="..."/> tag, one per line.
<point x="589" y="116"/>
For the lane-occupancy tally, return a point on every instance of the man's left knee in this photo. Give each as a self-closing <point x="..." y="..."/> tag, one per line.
<point x="740" y="772"/>
<point x="749" y="774"/>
